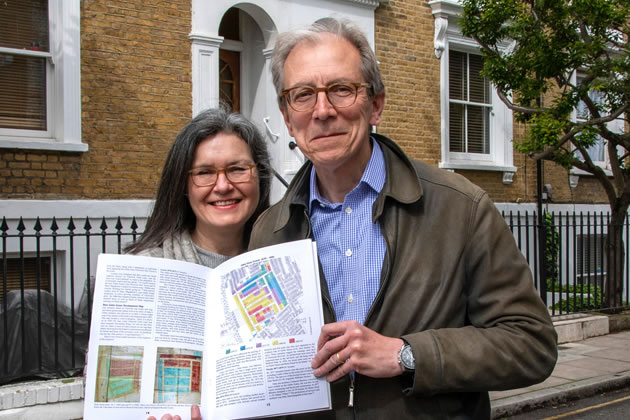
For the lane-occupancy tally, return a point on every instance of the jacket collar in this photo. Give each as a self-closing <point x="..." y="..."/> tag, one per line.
<point x="406" y="189"/>
<point x="402" y="182"/>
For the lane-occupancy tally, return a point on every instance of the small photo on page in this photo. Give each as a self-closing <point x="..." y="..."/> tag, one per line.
<point x="177" y="376"/>
<point x="118" y="374"/>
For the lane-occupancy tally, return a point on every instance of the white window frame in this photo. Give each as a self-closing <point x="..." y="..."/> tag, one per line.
<point x="468" y="103"/>
<point x="63" y="85"/>
<point x="501" y="157"/>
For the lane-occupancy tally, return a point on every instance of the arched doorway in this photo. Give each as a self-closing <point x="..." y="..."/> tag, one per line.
<point x="230" y="60"/>
<point x="229" y="79"/>
<point x="245" y="84"/>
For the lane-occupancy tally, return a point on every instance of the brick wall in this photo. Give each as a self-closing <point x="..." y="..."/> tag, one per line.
<point x="24" y="172"/>
<point x="404" y="47"/>
<point x="136" y="95"/>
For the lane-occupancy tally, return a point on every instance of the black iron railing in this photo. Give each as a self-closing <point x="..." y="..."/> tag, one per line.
<point x="46" y="285"/>
<point x="577" y="272"/>
<point x="47" y="274"/>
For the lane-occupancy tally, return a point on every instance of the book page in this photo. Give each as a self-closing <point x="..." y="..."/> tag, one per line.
<point x="264" y="318"/>
<point x="146" y="339"/>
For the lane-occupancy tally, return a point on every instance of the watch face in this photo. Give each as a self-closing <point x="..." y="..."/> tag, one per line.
<point x="407" y="359"/>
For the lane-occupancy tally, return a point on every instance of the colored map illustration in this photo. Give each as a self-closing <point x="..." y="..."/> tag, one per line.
<point x="262" y="300"/>
<point x="177" y="376"/>
<point x="118" y="374"/>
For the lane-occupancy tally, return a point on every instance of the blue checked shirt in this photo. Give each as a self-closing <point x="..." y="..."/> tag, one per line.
<point x="351" y="247"/>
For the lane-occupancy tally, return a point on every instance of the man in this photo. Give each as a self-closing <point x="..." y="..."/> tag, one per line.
<point x="428" y="302"/>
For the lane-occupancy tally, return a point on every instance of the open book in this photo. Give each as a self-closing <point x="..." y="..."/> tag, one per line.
<point x="237" y="339"/>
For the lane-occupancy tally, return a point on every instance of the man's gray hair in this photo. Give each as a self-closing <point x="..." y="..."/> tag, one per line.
<point x="344" y="29"/>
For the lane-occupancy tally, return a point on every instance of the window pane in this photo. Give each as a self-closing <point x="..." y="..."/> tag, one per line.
<point x="591" y="258"/>
<point x="469" y="124"/>
<point x="478" y="132"/>
<point x="23" y="87"/>
<point x="456" y="128"/>
<point x="457" y="75"/>
<point x="582" y="111"/>
<point x="479" y="86"/>
<point x="597" y="152"/>
<point x="24" y="24"/>
<point x="33" y="271"/>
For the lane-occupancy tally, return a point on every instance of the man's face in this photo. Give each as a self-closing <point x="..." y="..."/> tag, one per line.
<point x="331" y="138"/>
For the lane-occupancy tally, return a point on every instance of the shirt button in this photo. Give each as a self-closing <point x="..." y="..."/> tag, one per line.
<point x="348" y="253"/>
<point x="348" y="210"/>
<point x="322" y="205"/>
<point x="350" y="299"/>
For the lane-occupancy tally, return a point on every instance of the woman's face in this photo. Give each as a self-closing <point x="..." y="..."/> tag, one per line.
<point x="223" y="208"/>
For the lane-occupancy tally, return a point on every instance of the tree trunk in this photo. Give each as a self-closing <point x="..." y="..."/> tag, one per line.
<point x="613" y="288"/>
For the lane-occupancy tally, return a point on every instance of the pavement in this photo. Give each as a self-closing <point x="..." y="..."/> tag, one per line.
<point x="585" y="367"/>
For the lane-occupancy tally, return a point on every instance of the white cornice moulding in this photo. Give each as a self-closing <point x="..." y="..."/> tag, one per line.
<point x="508" y="177"/>
<point x="442" y="10"/>
<point x="210" y="40"/>
<point x="446" y="8"/>
<point x="368" y="3"/>
<point x="439" y="37"/>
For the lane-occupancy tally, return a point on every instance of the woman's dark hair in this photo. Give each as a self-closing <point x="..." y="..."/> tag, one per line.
<point x="172" y="212"/>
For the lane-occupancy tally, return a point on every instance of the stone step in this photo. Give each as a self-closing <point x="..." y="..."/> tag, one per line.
<point x="577" y="327"/>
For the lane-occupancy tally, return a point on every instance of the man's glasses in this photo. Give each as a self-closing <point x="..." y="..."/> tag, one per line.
<point x="207" y="177"/>
<point x="340" y="95"/>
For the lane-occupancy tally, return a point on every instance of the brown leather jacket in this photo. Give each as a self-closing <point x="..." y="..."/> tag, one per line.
<point x="453" y="284"/>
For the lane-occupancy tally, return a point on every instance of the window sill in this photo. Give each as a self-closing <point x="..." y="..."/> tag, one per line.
<point x="575" y="174"/>
<point x="43" y="144"/>
<point x="579" y="172"/>
<point x="508" y="171"/>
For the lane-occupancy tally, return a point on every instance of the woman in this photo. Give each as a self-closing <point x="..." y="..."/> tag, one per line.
<point x="215" y="182"/>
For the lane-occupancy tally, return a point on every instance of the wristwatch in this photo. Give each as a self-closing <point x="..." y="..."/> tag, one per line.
<point x="405" y="358"/>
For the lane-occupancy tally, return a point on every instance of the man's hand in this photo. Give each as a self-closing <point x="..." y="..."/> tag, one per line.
<point x="195" y="414"/>
<point x="349" y="346"/>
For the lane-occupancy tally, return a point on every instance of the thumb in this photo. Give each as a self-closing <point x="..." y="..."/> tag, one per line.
<point x="195" y="413"/>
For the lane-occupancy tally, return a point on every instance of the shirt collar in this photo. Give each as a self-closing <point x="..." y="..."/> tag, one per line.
<point x="373" y="176"/>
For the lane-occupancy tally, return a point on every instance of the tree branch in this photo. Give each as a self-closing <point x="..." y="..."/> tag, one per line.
<point x="546" y="153"/>
<point x="576" y="128"/>
<point x="588" y="166"/>
<point x="517" y="108"/>
<point x="615" y="165"/>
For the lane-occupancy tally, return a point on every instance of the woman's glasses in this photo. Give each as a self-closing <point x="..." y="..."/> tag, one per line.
<point x="236" y="174"/>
